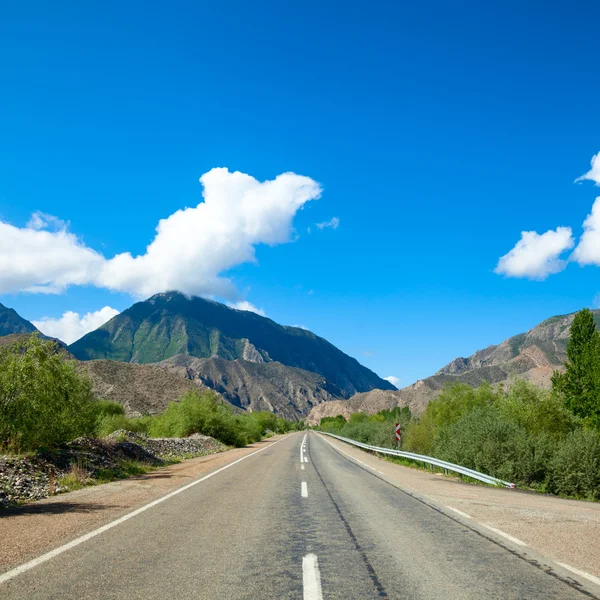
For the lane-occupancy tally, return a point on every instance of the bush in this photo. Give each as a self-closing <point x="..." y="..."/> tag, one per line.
<point x="576" y="465"/>
<point x="44" y="401"/>
<point x="483" y="440"/>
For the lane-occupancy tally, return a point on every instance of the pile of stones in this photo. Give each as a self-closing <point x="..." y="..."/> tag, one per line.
<point x="27" y="478"/>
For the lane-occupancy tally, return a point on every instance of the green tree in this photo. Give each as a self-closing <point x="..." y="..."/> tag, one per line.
<point x="44" y="401"/>
<point x="580" y="384"/>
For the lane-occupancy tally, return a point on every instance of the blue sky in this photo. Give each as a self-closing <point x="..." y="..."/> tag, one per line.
<point x="437" y="134"/>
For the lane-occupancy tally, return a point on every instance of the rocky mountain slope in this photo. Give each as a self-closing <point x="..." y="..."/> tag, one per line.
<point x="532" y="356"/>
<point x="12" y="323"/>
<point x="170" y="324"/>
<point x="287" y="391"/>
<point x="141" y="389"/>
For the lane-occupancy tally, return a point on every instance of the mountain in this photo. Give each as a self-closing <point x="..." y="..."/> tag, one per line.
<point x="141" y="389"/>
<point x="287" y="391"/>
<point x="170" y="324"/>
<point x="532" y="356"/>
<point x="11" y="322"/>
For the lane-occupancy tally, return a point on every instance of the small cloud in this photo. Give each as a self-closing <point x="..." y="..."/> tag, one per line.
<point x="310" y="292"/>
<point x="40" y="220"/>
<point x="367" y="353"/>
<point x="301" y="327"/>
<point x="393" y="380"/>
<point x="71" y="326"/>
<point x="594" y="173"/>
<point x="245" y="305"/>
<point x="596" y="301"/>
<point x="536" y="256"/>
<point x="333" y="224"/>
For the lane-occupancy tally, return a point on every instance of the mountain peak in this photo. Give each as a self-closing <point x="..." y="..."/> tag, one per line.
<point x="11" y="322"/>
<point x="172" y="323"/>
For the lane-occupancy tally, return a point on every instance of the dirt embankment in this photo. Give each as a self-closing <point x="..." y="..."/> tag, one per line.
<point x="86" y="461"/>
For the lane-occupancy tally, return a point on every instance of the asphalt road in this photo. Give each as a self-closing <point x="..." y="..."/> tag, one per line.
<point x="287" y="523"/>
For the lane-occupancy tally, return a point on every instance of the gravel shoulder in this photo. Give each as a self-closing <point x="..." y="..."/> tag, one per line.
<point x="566" y="531"/>
<point x="37" y="527"/>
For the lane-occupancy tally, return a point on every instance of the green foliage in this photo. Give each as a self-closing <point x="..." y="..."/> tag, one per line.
<point x="576" y="465"/>
<point x="454" y="402"/>
<point x="579" y="386"/>
<point x="525" y="435"/>
<point x="44" y="401"/>
<point x="377" y="430"/>
<point x="203" y="412"/>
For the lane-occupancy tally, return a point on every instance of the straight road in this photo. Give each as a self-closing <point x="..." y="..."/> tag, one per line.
<point x="295" y="520"/>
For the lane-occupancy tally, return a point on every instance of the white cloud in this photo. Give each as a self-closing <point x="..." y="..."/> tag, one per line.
<point x="191" y="250"/>
<point x="536" y="256"/>
<point x="40" y="220"/>
<point x="393" y="380"/>
<point x="36" y="260"/>
<point x="301" y="327"/>
<point x="588" y="249"/>
<point x="71" y="326"/>
<point x="333" y="224"/>
<point x="245" y="305"/>
<point x="594" y="173"/>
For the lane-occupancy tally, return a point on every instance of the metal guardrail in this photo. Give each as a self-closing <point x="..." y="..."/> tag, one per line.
<point x="426" y="460"/>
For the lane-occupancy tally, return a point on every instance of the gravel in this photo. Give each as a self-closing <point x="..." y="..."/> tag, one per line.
<point x="28" y="478"/>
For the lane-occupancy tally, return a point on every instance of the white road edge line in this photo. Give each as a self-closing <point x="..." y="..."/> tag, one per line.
<point x="304" y="489"/>
<point x="311" y="578"/>
<point x="353" y="458"/>
<point x="508" y="537"/>
<point x="4" y="577"/>
<point x="588" y="576"/>
<point x="460" y="512"/>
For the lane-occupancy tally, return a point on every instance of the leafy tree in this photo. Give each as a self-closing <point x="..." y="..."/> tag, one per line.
<point x="44" y="400"/>
<point x="580" y="384"/>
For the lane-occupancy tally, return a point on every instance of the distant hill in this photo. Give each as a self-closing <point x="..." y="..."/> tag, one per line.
<point x="12" y="323"/>
<point x="141" y="389"/>
<point x="171" y="324"/>
<point x="532" y="356"/>
<point x="287" y="391"/>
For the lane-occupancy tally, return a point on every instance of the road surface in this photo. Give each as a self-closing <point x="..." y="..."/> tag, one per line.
<point x="296" y="519"/>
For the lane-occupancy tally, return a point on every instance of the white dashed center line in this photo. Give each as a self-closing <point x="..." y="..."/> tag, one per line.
<point x="311" y="578"/>
<point x="304" y="490"/>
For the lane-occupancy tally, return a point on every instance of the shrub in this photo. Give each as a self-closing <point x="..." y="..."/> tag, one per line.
<point x="483" y="440"/>
<point x="44" y="401"/>
<point x="575" y="469"/>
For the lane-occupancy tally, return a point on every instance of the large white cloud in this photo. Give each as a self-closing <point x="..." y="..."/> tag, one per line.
<point x="594" y="173"/>
<point x="71" y="326"/>
<point x="536" y="256"/>
<point x="190" y="252"/>
<point x="588" y="249"/>
<point x="38" y="260"/>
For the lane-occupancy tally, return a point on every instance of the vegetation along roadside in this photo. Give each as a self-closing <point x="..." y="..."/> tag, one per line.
<point x="546" y="440"/>
<point x="55" y="436"/>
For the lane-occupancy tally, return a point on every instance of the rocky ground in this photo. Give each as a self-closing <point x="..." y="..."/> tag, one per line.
<point x="85" y="461"/>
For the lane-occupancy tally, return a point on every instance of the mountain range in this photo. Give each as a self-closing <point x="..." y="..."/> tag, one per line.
<point x="153" y="352"/>
<point x="533" y="356"/>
